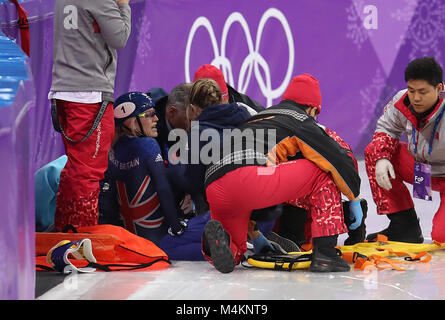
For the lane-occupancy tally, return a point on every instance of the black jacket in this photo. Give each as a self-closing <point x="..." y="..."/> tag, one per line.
<point x="297" y="134"/>
<point x="235" y="96"/>
<point x="218" y="118"/>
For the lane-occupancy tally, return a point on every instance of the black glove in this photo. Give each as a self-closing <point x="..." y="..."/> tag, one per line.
<point x="183" y="226"/>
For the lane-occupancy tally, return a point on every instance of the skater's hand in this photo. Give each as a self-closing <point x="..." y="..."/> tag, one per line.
<point x="355" y="214"/>
<point x="183" y="226"/>
<point x="187" y="205"/>
<point x="382" y="168"/>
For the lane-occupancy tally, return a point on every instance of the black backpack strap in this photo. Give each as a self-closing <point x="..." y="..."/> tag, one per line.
<point x="58" y="126"/>
<point x="108" y="267"/>
<point x="123" y="267"/>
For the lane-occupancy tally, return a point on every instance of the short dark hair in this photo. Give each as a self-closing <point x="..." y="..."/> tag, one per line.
<point x="303" y="107"/>
<point x="425" y="68"/>
<point x="179" y="96"/>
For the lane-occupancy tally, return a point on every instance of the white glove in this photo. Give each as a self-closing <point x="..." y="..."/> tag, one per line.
<point x="382" y="168"/>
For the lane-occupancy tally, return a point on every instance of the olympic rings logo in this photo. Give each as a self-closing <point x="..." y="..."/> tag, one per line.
<point x="254" y="59"/>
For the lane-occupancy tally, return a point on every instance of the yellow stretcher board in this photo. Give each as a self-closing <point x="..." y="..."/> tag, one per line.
<point x="291" y="261"/>
<point x="362" y="255"/>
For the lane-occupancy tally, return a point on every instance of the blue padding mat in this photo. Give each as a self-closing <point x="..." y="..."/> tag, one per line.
<point x="13" y="69"/>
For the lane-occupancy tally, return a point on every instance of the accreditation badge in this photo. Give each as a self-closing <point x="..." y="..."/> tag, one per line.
<point x="422" y="181"/>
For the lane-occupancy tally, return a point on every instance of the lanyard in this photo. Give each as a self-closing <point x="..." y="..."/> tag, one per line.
<point x="436" y="124"/>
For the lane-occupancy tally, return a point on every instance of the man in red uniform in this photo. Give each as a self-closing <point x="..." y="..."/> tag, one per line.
<point x="416" y="111"/>
<point x="247" y="177"/>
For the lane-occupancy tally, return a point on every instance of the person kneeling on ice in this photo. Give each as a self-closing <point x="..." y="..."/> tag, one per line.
<point x="210" y="119"/>
<point x="247" y="177"/>
<point x="416" y="111"/>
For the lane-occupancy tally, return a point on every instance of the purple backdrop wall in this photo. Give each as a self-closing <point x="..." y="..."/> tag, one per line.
<point x="357" y="49"/>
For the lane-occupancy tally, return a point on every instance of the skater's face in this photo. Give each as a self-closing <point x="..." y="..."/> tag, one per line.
<point x="423" y="95"/>
<point x="149" y="121"/>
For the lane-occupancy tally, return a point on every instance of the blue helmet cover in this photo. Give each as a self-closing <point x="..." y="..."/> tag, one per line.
<point x="130" y="105"/>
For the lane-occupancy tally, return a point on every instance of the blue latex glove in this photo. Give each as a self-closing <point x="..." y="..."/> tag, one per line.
<point x="261" y="243"/>
<point x="355" y="214"/>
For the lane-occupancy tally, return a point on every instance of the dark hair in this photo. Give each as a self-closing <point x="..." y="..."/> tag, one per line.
<point x="205" y="92"/>
<point x="425" y="68"/>
<point x="303" y="107"/>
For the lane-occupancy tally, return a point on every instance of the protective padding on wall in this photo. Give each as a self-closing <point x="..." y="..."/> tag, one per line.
<point x="17" y="226"/>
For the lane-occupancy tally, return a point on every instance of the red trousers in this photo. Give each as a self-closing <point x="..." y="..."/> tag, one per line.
<point x="399" y="197"/>
<point x="77" y="199"/>
<point x="233" y="197"/>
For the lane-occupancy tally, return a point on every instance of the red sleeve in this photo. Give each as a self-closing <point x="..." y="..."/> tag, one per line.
<point x="342" y="144"/>
<point x="382" y="146"/>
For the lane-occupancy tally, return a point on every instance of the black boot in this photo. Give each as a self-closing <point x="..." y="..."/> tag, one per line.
<point x="216" y="244"/>
<point x="358" y="235"/>
<point x="325" y="257"/>
<point x="403" y="227"/>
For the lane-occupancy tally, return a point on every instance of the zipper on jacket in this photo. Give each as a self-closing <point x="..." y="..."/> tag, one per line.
<point x="109" y="59"/>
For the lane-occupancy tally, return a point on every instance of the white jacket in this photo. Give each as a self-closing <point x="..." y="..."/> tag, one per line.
<point x="87" y="34"/>
<point x="398" y="119"/>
